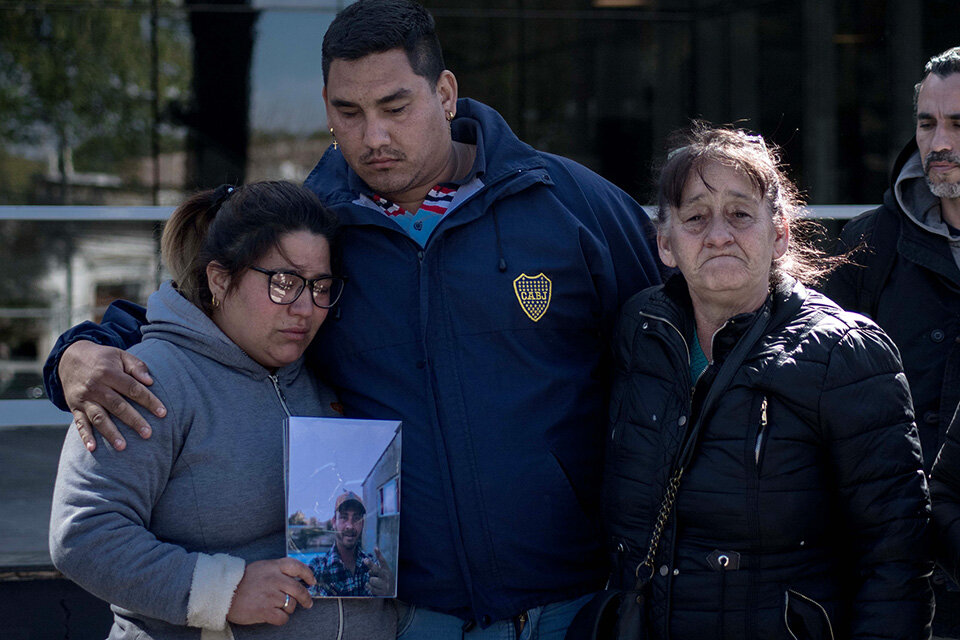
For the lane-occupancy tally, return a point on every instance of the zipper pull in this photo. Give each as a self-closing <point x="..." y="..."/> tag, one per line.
<point x="276" y="387"/>
<point x="763" y="428"/>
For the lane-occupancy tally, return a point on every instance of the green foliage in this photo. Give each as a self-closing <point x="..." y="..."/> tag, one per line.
<point x="75" y="74"/>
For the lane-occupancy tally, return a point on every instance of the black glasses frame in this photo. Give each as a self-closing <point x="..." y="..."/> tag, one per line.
<point x="337" y="284"/>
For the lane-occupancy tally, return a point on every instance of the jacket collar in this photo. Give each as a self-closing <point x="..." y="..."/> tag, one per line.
<point x="500" y="152"/>
<point x="672" y="301"/>
<point x="913" y="196"/>
<point x="924" y="240"/>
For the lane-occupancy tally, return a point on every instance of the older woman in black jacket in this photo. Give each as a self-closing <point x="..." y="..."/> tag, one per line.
<point x="803" y="511"/>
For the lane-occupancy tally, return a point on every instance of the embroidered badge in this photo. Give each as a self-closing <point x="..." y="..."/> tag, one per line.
<point x="533" y="294"/>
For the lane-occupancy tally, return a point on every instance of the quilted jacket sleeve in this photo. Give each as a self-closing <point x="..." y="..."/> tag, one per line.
<point x="945" y="492"/>
<point x="872" y="445"/>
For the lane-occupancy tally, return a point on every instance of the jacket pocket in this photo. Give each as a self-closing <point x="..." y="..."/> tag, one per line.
<point x="805" y="618"/>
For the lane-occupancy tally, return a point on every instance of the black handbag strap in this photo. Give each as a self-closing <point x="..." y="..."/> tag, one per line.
<point x="723" y="380"/>
<point x="597" y="619"/>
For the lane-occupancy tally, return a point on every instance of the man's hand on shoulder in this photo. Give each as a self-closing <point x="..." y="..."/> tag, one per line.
<point x="97" y="381"/>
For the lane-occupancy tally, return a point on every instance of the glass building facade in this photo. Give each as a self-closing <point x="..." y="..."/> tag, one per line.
<point x="130" y="103"/>
<point x="140" y="102"/>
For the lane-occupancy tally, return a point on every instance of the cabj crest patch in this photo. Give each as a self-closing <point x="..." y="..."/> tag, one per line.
<point x="533" y="294"/>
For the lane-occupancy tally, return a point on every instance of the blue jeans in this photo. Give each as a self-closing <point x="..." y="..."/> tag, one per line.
<point x="548" y="622"/>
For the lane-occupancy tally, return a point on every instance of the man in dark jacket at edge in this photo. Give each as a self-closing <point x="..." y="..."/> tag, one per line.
<point x="908" y="279"/>
<point x="483" y="280"/>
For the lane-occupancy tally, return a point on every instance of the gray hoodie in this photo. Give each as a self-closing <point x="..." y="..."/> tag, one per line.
<point x="163" y="529"/>
<point x="921" y="206"/>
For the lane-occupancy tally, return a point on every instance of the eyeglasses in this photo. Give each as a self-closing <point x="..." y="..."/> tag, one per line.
<point x="284" y="287"/>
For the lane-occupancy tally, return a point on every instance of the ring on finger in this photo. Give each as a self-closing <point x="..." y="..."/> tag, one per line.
<point x="286" y="601"/>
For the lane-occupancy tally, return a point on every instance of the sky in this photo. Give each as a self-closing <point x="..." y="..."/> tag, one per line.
<point x="286" y="77"/>
<point x="330" y="455"/>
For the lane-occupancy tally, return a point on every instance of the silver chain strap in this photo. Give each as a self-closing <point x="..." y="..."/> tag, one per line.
<point x="669" y="496"/>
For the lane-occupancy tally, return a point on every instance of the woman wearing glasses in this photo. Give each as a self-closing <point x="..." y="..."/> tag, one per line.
<point x="184" y="533"/>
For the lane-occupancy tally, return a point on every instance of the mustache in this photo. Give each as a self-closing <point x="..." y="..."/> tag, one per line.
<point x="941" y="156"/>
<point x="380" y="154"/>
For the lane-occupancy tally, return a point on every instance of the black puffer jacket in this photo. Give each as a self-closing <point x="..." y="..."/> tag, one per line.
<point x="806" y="475"/>
<point x="945" y="492"/>
<point x="919" y="300"/>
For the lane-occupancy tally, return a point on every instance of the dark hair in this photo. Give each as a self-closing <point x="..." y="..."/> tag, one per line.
<point x="376" y="26"/>
<point x="943" y="64"/>
<point x="694" y="148"/>
<point x="235" y="227"/>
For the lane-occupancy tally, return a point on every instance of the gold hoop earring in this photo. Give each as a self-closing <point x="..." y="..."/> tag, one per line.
<point x="336" y="145"/>
<point x="215" y="302"/>
<point x="450" y="115"/>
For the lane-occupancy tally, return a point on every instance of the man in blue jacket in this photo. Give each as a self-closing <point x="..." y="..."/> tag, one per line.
<point x="483" y="278"/>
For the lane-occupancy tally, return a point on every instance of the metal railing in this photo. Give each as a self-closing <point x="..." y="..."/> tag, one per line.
<point x="83" y="213"/>
<point x="31" y="413"/>
<point x="41" y="412"/>
<point x="103" y="213"/>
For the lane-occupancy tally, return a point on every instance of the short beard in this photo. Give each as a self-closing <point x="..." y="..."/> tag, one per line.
<point x="343" y="543"/>
<point x="948" y="190"/>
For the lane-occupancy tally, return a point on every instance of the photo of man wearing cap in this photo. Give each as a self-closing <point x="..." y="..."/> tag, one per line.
<point x="347" y="570"/>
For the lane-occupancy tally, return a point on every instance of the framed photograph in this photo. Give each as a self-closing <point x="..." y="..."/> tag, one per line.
<point x="343" y="504"/>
